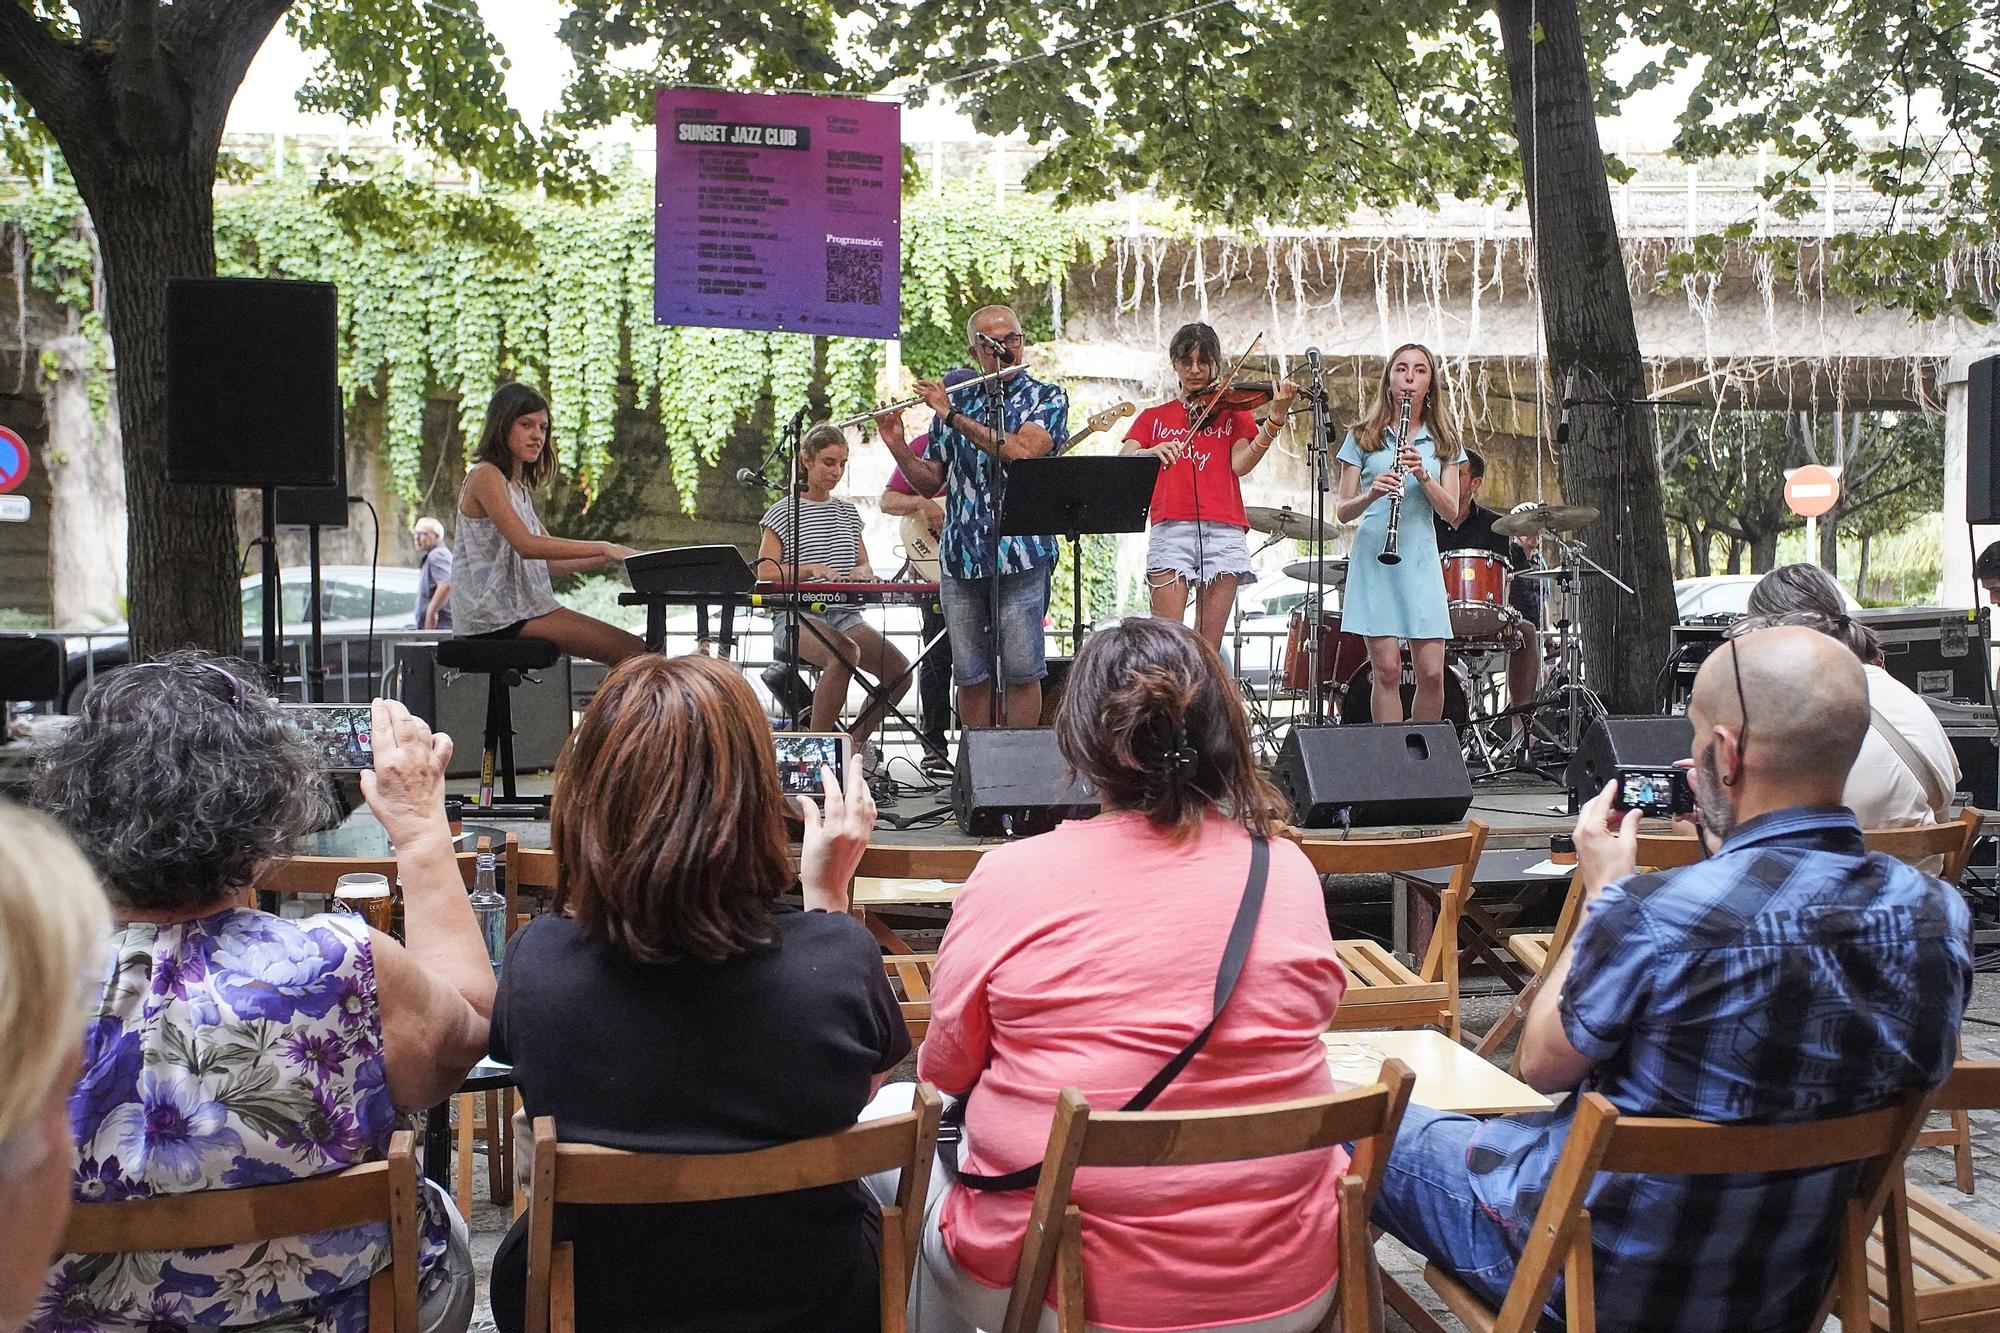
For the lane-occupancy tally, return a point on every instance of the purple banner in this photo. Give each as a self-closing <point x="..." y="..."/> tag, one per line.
<point x="780" y="212"/>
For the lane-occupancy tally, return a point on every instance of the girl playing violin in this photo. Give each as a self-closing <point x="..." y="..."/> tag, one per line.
<point x="1197" y="538"/>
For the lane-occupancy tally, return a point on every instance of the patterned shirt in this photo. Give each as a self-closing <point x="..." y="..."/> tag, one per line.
<point x="967" y="546"/>
<point x="832" y="530"/>
<point x="237" y="1049"/>
<point x="1794" y="976"/>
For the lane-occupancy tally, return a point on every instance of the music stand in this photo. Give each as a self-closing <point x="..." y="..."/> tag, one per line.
<point x="1074" y="496"/>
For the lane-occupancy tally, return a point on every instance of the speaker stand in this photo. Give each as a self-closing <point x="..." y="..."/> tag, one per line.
<point x="315" y="666"/>
<point x="274" y="670"/>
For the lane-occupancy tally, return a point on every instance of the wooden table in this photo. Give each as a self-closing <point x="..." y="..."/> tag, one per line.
<point x="1448" y="1076"/>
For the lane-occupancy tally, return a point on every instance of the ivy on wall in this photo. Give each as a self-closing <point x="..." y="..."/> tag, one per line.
<point x="451" y="294"/>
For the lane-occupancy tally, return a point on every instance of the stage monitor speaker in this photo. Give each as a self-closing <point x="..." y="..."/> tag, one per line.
<point x="1982" y="441"/>
<point x="1645" y="741"/>
<point x="1012" y="781"/>
<point x="457" y="707"/>
<point x="1377" y="773"/>
<point x="253" y="393"/>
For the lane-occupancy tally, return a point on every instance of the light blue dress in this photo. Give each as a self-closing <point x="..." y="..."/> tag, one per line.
<point x="1404" y="601"/>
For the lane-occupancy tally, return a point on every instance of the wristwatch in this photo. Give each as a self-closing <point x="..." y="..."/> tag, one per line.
<point x="950" y="415"/>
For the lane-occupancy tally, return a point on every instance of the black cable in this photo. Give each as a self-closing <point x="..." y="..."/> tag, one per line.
<point x="243" y="565"/>
<point x="374" y="562"/>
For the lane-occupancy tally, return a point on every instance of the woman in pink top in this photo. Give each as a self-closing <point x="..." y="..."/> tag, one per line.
<point x="1087" y="957"/>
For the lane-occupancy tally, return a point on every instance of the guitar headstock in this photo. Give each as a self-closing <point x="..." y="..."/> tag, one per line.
<point x="1104" y="420"/>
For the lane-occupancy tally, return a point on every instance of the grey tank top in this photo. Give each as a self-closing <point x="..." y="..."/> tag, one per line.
<point x="492" y="587"/>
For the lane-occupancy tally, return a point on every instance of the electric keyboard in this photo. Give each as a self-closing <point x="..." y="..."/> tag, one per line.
<point x="845" y="592"/>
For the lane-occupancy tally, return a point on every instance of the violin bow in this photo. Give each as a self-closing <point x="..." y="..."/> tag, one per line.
<point x="1220" y="387"/>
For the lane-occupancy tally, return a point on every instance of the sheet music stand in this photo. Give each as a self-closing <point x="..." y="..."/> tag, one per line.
<point x="1074" y="496"/>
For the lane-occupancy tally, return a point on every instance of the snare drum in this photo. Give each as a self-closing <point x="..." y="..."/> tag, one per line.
<point x="1475" y="588"/>
<point x="1341" y="654"/>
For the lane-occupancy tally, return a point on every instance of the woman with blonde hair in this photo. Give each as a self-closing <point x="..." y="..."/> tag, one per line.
<point x="52" y="923"/>
<point x="1389" y="604"/>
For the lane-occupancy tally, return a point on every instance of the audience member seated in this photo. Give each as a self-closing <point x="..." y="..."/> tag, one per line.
<point x="228" y="1047"/>
<point x="1884" y="789"/>
<point x="1791" y="976"/>
<point x="673" y="1004"/>
<point x="52" y="923"/>
<point x="1087" y="957"/>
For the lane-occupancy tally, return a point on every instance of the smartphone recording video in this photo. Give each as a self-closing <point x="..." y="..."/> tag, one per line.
<point x="341" y="734"/>
<point x="800" y="755"/>
<point x="1658" y="792"/>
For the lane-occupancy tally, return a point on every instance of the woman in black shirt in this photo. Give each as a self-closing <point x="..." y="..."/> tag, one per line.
<point x="671" y="1004"/>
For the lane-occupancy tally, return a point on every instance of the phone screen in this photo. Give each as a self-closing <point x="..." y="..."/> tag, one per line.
<point x="802" y="753"/>
<point x="340" y="734"/>
<point x="1659" y="791"/>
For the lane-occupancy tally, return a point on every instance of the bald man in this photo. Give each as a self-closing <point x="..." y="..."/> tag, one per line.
<point x="1791" y="976"/>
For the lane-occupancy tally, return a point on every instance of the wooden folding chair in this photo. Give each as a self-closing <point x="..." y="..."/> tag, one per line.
<point x="384" y="1191"/>
<point x="1602" y="1140"/>
<point x="583" y="1174"/>
<point x="944" y="870"/>
<point x="1381" y="991"/>
<point x="1954" y="1261"/>
<point x="535" y="875"/>
<point x="910" y="977"/>
<point x="1080" y="1137"/>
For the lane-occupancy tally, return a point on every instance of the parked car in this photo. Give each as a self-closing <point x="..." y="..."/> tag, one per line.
<point x="1724" y="595"/>
<point x="345" y="599"/>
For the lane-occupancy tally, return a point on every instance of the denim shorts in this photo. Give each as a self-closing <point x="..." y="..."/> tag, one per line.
<point x="1200" y="551"/>
<point x="968" y="616"/>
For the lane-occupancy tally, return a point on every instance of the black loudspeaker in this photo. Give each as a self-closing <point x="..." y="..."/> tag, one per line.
<point x="457" y="707"/>
<point x="253" y="393"/>
<point x="1012" y="781"/>
<point x="31" y="668"/>
<point x="312" y="507"/>
<point x="1982" y="441"/>
<point x="1647" y="742"/>
<point x="1377" y="773"/>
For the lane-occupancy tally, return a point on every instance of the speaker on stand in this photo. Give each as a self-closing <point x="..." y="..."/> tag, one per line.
<point x="253" y="399"/>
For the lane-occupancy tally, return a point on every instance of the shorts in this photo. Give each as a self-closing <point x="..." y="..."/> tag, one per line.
<point x="784" y="625"/>
<point x="512" y="631"/>
<point x="1024" y="600"/>
<point x="1199" y="550"/>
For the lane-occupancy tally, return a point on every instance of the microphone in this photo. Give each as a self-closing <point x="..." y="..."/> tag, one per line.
<point x="1562" y="413"/>
<point x="1001" y="352"/>
<point x="1312" y="360"/>
<point x="750" y="476"/>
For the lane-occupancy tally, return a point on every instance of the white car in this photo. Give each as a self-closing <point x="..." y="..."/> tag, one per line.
<point x="1725" y="595"/>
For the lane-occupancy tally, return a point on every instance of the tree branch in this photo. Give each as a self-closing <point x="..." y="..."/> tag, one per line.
<point x="45" y="70"/>
<point x="215" y="41"/>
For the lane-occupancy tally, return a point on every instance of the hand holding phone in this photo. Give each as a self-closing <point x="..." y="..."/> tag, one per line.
<point x="834" y="840"/>
<point x="1655" y="792"/>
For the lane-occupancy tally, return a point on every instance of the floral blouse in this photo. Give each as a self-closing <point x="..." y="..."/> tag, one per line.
<point x="238" y="1049"/>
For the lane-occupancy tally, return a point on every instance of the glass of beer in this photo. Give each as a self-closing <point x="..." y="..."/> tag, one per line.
<point x="366" y="896"/>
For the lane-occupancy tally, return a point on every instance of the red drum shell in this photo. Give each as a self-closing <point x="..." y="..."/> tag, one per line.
<point x="1475" y="588"/>
<point x="1341" y="654"/>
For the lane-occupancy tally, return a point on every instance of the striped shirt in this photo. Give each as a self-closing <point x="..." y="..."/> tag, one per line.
<point x="1792" y="977"/>
<point x="831" y="527"/>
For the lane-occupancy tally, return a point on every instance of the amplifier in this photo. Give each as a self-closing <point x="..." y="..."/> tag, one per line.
<point x="1939" y="653"/>
<point x="457" y="707"/>
<point x="1689" y="644"/>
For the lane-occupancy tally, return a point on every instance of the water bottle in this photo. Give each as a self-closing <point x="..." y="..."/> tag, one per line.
<point x="489" y="908"/>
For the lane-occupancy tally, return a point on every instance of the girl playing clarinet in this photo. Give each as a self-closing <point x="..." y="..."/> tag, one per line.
<point x="1385" y="603"/>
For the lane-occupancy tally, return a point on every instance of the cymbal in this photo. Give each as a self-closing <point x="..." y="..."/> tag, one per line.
<point x="1544" y="518"/>
<point x="1333" y="572"/>
<point x="1287" y="522"/>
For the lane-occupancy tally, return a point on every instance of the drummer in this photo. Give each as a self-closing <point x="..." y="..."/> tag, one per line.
<point x="1474" y="532"/>
<point x="1196" y="549"/>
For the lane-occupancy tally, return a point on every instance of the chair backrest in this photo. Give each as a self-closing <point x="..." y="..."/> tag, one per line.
<point x="1365" y="856"/>
<point x="1974" y="1085"/>
<point x="1602" y="1140"/>
<point x="1951" y="840"/>
<point x="585" y="1174"/>
<point x="1079" y="1137"/>
<point x="954" y="865"/>
<point x="384" y="1191"/>
<point x="319" y="874"/>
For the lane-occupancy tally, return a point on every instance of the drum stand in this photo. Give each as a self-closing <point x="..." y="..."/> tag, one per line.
<point x="1579" y="703"/>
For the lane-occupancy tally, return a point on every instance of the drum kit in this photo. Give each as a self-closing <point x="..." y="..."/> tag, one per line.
<point x="1485" y="631"/>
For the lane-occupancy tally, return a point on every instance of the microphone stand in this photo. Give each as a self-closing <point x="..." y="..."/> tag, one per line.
<point x="1316" y="452"/>
<point x="788" y="444"/>
<point x="996" y="394"/>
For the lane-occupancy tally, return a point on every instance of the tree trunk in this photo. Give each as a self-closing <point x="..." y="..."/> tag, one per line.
<point x="1764" y="552"/>
<point x="87" y="518"/>
<point x="1735" y="563"/>
<point x="155" y="220"/>
<point x="1698" y="549"/>
<point x="1861" y="571"/>
<point x="1829" y="543"/>
<point x="1609" y="462"/>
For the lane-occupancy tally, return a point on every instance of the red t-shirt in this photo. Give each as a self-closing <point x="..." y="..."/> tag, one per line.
<point x="1202" y="484"/>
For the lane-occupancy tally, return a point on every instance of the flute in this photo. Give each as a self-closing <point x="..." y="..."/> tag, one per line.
<point x="906" y="404"/>
<point x="1389" y="554"/>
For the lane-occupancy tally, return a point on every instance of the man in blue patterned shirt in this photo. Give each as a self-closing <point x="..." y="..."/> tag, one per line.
<point x="966" y="457"/>
<point x="1790" y="977"/>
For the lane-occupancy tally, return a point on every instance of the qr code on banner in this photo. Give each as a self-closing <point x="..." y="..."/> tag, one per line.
<point x="853" y="274"/>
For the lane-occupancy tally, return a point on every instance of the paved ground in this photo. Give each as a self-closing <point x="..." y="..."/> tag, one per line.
<point x="1929" y="1167"/>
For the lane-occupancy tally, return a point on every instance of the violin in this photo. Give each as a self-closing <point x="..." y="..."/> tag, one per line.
<point x="1224" y="396"/>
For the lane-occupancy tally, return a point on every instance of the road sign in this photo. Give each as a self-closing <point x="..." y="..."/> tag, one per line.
<point x="1811" y="490"/>
<point x="13" y="461"/>
<point x="14" y="508"/>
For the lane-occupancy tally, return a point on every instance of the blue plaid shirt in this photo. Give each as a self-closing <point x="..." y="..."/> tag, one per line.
<point x="967" y="548"/>
<point x="1793" y="976"/>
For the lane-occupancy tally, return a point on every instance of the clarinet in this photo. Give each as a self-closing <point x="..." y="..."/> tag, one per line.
<point x="1389" y="555"/>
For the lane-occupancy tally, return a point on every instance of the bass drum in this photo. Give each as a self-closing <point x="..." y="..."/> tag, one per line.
<point x="1359" y="703"/>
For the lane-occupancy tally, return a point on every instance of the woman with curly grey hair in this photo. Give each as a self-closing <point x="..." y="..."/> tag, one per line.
<point x="228" y="1047"/>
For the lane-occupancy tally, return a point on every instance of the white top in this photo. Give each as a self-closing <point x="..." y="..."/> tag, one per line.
<point x="1881" y="790"/>
<point x="492" y="587"/>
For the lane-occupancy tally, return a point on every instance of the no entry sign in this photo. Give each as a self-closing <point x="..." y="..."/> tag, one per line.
<point x="13" y="460"/>
<point x="1811" y="490"/>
